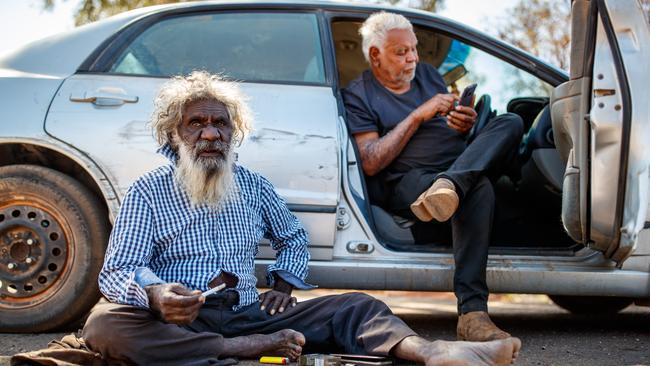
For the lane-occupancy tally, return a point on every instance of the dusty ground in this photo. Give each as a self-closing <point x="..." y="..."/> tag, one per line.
<point x="551" y="336"/>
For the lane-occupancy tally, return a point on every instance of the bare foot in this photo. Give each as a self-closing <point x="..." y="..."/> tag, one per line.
<point x="501" y="352"/>
<point x="286" y="343"/>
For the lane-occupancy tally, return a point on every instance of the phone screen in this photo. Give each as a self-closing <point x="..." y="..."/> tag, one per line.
<point x="466" y="97"/>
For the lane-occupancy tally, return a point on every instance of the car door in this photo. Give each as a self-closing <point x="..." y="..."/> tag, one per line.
<point x="601" y="126"/>
<point x="104" y="110"/>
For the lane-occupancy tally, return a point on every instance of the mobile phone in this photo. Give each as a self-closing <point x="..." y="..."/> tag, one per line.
<point x="466" y="97"/>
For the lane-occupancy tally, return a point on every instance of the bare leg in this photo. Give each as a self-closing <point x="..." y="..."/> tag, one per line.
<point x="286" y="342"/>
<point x="441" y="353"/>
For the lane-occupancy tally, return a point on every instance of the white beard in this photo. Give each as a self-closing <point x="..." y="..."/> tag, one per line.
<point x="207" y="181"/>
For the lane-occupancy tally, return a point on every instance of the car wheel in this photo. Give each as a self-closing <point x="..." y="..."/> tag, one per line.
<point x="53" y="233"/>
<point x="591" y="304"/>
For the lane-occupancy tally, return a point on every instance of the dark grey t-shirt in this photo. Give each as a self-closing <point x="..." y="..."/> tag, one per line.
<point x="372" y="107"/>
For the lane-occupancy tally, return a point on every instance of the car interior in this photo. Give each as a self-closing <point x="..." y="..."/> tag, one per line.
<point x="529" y="196"/>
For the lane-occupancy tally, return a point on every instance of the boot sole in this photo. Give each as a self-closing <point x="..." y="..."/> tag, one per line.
<point x="441" y="204"/>
<point x="419" y="210"/>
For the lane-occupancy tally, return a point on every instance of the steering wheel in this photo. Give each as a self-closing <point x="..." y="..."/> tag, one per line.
<point x="484" y="112"/>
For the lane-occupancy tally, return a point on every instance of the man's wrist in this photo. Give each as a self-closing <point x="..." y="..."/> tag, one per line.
<point x="150" y="290"/>
<point x="282" y="285"/>
<point x="416" y="118"/>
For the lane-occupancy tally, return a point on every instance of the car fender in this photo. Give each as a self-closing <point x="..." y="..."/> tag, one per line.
<point x="99" y="177"/>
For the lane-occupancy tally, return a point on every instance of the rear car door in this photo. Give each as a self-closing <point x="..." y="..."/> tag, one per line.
<point x="601" y="120"/>
<point x="103" y="110"/>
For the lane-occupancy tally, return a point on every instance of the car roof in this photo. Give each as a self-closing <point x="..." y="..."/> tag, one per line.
<point x="303" y="4"/>
<point x="66" y="52"/>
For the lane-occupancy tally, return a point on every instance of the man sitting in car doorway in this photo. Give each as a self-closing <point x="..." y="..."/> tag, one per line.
<point x="412" y="137"/>
<point x="195" y="224"/>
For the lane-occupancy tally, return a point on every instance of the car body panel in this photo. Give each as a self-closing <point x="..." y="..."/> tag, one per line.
<point x="633" y="36"/>
<point x="24" y="102"/>
<point x="555" y="280"/>
<point x="118" y="134"/>
<point x="114" y="135"/>
<point x="599" y="117"/>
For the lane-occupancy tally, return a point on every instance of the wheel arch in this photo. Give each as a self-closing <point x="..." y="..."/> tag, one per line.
<point x="67" y="161"/>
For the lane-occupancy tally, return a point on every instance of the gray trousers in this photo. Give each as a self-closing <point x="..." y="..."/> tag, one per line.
<point x="350" y="323"/>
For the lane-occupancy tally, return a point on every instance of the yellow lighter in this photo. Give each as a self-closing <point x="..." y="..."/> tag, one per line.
<point x="274" y="360"/>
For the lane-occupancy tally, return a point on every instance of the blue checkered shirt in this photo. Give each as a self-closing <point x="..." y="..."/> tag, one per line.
<point x="160" y="237"/>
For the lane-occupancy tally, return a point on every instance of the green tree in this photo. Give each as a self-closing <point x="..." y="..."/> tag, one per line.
<point x="428" y="5"/>
<point x="92" y="10"/>
<point x="541" y="27"/>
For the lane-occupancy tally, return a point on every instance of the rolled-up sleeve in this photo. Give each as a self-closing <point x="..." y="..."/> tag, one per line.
<point x="125" y="271"/>
<point x="288" y="238"/>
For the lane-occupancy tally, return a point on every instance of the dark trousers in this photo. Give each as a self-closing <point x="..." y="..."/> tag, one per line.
<point x="491" y="153"/>
<point x="350" y="323"/>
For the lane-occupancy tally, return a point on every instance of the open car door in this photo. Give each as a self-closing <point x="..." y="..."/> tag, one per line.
<point x="601" y="124"/>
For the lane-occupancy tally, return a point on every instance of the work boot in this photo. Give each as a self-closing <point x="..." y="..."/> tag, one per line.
<point x="476" y="326"/>
<point x="438" y="202"/>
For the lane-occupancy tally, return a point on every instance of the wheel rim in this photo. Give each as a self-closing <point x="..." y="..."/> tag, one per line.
<point x="33" y="254"/>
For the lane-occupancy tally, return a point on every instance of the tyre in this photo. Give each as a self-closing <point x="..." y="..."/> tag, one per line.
<point x="585" y="305"/>
<point x="53" y="233"/>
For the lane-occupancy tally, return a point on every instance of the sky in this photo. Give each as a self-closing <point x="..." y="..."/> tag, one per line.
<point x="23" y="21"/>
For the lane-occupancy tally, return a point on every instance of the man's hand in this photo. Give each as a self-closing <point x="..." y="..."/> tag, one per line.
<point x="279" y="298"/>
<point x="439" y="104"/>
<point x="462" y="119"/>
<point x="224" y="277"/>
<point x="174" y="303"/>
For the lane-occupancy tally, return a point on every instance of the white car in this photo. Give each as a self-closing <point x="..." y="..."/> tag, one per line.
<point x="571" y="218"/>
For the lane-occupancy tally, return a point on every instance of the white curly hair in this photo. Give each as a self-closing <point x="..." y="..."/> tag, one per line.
<point x="373" y="30"/>
<point x="198" y="85"/>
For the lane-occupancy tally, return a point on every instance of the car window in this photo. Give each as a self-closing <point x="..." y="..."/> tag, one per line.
<point x="464" y="65"/>
<point x="281" y="47"/>
<point x="459" y="64"/>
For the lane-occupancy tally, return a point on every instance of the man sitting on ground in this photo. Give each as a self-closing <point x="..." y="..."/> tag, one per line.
<point x="195" y="224"/>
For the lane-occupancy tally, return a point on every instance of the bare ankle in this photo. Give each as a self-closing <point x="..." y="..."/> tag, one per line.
<point x="416" y="349"/>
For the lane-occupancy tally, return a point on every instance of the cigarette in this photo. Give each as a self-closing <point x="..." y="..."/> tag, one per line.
<point x="214" y="290"/>
<point x="274" y="360"/>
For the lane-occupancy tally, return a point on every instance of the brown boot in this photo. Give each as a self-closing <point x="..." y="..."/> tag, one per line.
<point x="476" y="326"/>
<point x="438" y="202"/>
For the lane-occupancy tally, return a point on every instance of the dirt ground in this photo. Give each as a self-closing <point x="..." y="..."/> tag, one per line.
<point x="550" y="335"/>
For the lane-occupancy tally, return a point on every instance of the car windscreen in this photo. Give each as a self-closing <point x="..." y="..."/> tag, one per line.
<point x="276" y="47"/>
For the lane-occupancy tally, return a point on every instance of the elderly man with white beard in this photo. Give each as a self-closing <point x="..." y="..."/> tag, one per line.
<point x="414" y="145"/>
<point x="195" y="224"/>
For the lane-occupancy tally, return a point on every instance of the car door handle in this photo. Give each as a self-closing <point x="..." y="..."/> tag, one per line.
<point x="105" y="99"/>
